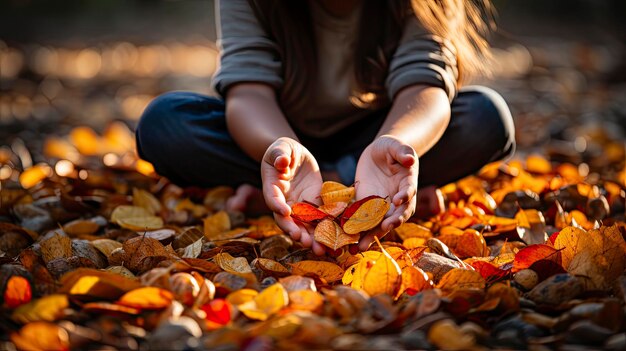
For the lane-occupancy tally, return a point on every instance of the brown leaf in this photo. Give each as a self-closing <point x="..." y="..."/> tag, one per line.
<point x="461" y="279"/>
<point x="330" y="234"/>
<point x="56" y="245"/>
<point x="215" y="224"/>
<point x="144" y="199"/>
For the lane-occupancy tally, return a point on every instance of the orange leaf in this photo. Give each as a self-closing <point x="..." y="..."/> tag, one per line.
<point x="488" y="271"/>
<point x="305" y="300"/>
<point x="269" y="301"/>
<point x="326" y="270"/>
<point x="364" y="214"/>
<point x="461" y="279"/>
<point x="335" y="192"/>
<point x="414" y="280"/>
<point x="147" y="298"/>
<point x="334" y="209"/>
<point x="527" y="256"/>
<point x="17" y="292"/>
<point x="216" y="224"/>
<point x="41" y="336"/>
<point x="329" y="233"/>
<point x="307" y="213"/>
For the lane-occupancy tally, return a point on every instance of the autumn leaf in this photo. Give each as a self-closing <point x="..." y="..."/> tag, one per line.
<point x="381" y="276"/>
<point x="48" y="308"/>
<point x="147" y="298"/>
<point x="218" y="313"/>
<point x="41" y="336"/>
<point x="269" y="301"/>
<point x="215" y="224"/>
<point x="364" y="214"/>
<point x="144" y="199"/>
<point x="489" y="272"/>
<point x="334" y="209"/>
<point x="335" y="192"/>
<point x="271" y="267"/>
<point x="326" y="270"/>
<point x="305" y="300"/>
<point x="307" y="213"/>
<point x="17" y="292"/>
<point x="330" y="234"/>
<point x="460" y="279"/>
<point x="135" y="218"/>
<point x="527" y="256"/>
<point x="414" y="280"/>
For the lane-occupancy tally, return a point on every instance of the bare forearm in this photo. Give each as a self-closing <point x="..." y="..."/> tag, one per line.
<point x="419" y="116"/>
<point x="254" y="118"/>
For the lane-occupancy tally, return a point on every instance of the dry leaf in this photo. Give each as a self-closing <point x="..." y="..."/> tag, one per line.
<point x="334" y="209"/>
<point x="330" y="234"/>
<point x="106" y="246"/>
<point x="81" y="227"/>
<point x="271" y="300"/>
<point x="41" y="336"/>
<point x="54" y="246"/>
<point x="296" y="282"/>
<point x="364" y="214"/>
<point x="461" y="279"/>
<point x="382" y="276"/>
<point x="144" y="199"/>
<point x="411" y="230"/>
<point x="218" y="313"/>
<point x="271" y="267"/>
<point x="147" y="298"/>
<point x="241" y="296"/>
<point x="17" y="292"/>
<point x="326" y="270"/>
<point x="234" y="265"/>
<point x="143" y="253"/>
<point x="307" y="213"/>
<point x="135" y="218"/>
<point x="414" y="280"/>
<point x="48" y="308"/>
<point x="527" y="256"/>
<point x="193" y="250"/>
<point x="215" y="224"/>
<point x="305" y="300"/>
<point x="335" y="192"/>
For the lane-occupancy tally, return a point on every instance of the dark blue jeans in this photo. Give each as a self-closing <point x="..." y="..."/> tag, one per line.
<point x="184" y="136"/>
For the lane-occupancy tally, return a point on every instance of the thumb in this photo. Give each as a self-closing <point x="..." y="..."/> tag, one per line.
<point x="279" y="155"/>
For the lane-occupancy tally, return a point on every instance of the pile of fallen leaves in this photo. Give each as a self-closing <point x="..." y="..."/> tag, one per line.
<point x="526" y="255"/>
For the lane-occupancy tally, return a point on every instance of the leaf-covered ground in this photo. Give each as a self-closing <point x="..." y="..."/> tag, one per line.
<point x="97" y="252"/>
<point x="527" y="254"/>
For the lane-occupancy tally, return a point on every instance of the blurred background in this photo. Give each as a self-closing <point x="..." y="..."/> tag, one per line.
<point x="559" y="64"/>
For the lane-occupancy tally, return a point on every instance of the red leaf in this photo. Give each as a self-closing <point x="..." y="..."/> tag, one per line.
<point x="17" y="292"/>
<point x="490" y="272"/>
<point x="547" y="268"/>
<point x="307" y="213"/>
<point x="218" y="312"/>
<point x="553" y="237"/>
<point x="527" y="256"/>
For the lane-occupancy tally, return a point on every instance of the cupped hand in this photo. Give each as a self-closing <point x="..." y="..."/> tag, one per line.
<point x="290" y="174"/>
<point x="388" y="167"/>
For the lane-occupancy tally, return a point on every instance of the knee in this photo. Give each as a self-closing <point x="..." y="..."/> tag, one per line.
<point x="159" y="111"/>
<point x="494" y="112"/>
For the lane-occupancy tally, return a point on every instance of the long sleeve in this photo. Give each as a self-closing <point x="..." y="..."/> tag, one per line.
<point x="422" y="58"/>
<point x="247" y="54"/>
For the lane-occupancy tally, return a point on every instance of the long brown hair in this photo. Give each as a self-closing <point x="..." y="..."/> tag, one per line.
<point x="289" y="24"/>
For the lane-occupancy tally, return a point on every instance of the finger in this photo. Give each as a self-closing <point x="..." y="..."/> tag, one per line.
<point x="279" y="155"/>
<point x="400" y="215"/>
<point x="366" y="241"/>
<point x="275" y="199"/>
<point x="404" y="154"/>
<point x="405" y="195"/>
<point x="318" y="249"/>
<point x="288" y="225"/>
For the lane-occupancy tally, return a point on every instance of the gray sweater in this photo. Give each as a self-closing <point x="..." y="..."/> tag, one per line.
<point x="248" y="55"/>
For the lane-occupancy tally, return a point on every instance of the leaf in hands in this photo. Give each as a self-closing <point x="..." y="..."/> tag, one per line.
<point x="336" y="192"/>
<point x="307" y="213"/>
<point x="364" y="214"/>
<point x="330" y="234"/>
<point x="334" y="209"/>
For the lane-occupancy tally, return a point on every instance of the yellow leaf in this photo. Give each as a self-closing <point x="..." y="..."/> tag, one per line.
<point x="326" y="270"/>
<point x="335" y="192"/>
<point x="235" y="265"/>
<point x="106" y="246"/>
<point x="48" y="308"/>
<point x="266" y="303"/>
<point x="414" y="280"/>
<point x="144" y="199"/>
<point x="367" y="216"/>
<point x="147" y="298"/>
<point x="412" y="230"/>
<point x="384" y="276"/>
<point x="241" y="296"/>
<point x="32" y="176"/>
<point x="135" y="218"/>
<point x="56" y="246"/>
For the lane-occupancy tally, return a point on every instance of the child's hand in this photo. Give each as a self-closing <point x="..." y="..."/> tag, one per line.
<point x="388" y="167"/>
<point x="290" y="174"/>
